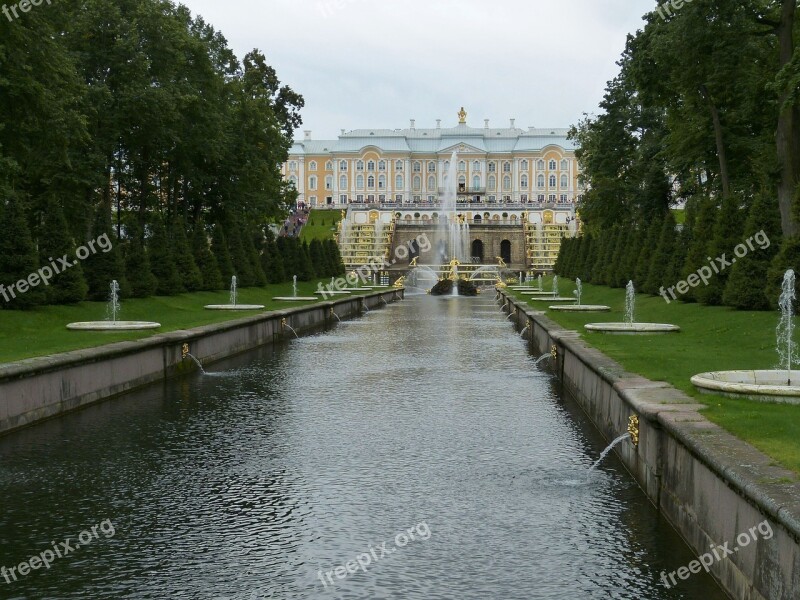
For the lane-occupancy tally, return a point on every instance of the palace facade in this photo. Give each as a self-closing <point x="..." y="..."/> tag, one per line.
<point x="407" y="166"/>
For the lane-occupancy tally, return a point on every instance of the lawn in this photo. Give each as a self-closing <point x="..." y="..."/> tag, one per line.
<point x="712" y="338"/>
<point x="321" y="225"/>
<point x="42" y="331"/>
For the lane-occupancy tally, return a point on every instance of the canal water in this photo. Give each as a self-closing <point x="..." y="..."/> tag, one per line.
<point x="419" y="439"/>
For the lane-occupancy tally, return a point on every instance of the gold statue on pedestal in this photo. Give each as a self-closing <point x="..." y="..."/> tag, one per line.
<point x="462" y="116"/>
<point x="413" y="262"/>
<point x="454" y="264"/>
<point x="501" y="263"/>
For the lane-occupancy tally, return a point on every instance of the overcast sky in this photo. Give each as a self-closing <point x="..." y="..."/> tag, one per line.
<point x="379" y="63"/>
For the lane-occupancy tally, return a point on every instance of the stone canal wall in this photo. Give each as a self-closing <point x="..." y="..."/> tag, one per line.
<point x="709" y="484"/>
<point x="40" y="388"/>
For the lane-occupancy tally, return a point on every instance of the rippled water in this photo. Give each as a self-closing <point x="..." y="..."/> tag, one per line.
<point x="288" y="462"/>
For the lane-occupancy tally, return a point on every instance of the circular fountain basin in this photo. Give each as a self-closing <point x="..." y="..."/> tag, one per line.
<point x="361" y="289"/>
<point x="296" y="298"/>
<point x="581" y="308"/>
<point x="113" y="326"/>
<point x="536" y="293"/>
<point x="333" y="293"/>
<point x="632" y="328"/>
<point x="551" y="298"/>
<point x="763" y="386"/>
<point x="234" y="307"/>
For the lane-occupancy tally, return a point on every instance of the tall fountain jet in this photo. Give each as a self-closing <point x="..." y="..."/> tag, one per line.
<point x="453" y="233"/>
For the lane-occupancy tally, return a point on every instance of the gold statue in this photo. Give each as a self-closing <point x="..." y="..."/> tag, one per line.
<point x="401" y="282"/>
<point x="462" y="116"/>
<point x="413" y="262"/>
<point x="501" y="263"/>
<point x="454" y="264"/>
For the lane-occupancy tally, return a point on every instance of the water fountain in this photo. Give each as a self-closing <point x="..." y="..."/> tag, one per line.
<point x="608" y="450"/>
<point x="781" y="384"/>
<point x="630" y="326"/>
<point x="579" y="306"/>
<point x="234" y="300"/>
<point x="295" y="298"/>
<point x="112" y="323"/>
<point x="453" y="230"/>
<point x="553" y="296"/>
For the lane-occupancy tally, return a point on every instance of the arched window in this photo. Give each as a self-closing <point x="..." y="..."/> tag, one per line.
<point x="382" y="166"/>
<point x="431" y="183"/>
<point x="553" y="182"/>
<point x="564" y="165"/>
<point x="360" y="165"/>
<point x="343" y="165"/>
<point x="564" y="181"/>
<point x="371" y="166"/>
<point x="398" y="182"/>
<point x="476" y="181"/>
<point x="505" y="251"/>
<point x="477" y="247"/>
<point x="506" y="183"/>
<point x="312" y="182"/>
<point x="523" y="181"/>
<point x="552" y="165"/>
<point x="293" y="165"/>
<point x="492" y="167"/>
<point x="398" y="165"/>
<point x="476" y="167"/>
<point x="417" y="167"/>
<point x="540" y="165"/>
<point x="329" y="182"/>
<point x="524" y="165"/>
<point x="343" y="182"/>
<point x="312" y="166"/>
<point x="431" y="167"/>
<point x="492" y="183"/>
<point x="540" y="181"/>
<point x="462" y="166"/>
<point x="462" y="180"/>
<point x="446" y="166"/>
<point x="417" y="183"/>
<point x="382" y="182"/>
<point x="329" y="166"/>
<point x="360" y="182"/>
<point x="506" y="167"/>
<point x="371" y="182"/>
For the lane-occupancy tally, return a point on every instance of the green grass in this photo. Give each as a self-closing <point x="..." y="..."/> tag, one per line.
<point x="321" y="225"/>
<point x="40" y="332"/>
<point x="712" y="338"/>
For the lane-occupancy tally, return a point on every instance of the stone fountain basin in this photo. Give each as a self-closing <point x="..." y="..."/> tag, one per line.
<point x="113" y="326"/>
<point x="581" y="308"/>
<point x="535" y="293"/>
<point x="632" y="328"/>
<point x="333" y="293"/>
<point x="552" y="298"/>
<point x="764" y="386"/>
<point x="296" y="298"/>
<point x="234" y="307"/>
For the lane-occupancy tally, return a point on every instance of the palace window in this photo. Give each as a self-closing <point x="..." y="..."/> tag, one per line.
<point x="382" y="182"/>
<point x="343" y="165"/>
<point x="328" y="182"/>
<point x="398" y="198"/>
<point x="329" y="166"/>
<point x="541" y="198"/>
<point x="431" y="183"/>
<point x="371" y="182"/>
<point x="293" y="181"/>
<point x="462" y="166"/>
<point x="492" y="167"/>
<point x="417" y="183"/>
<point x="398" y="165"/>
<point x="360" y="198"/>
<point x="431" y="167"/>
<point x="417" y="167"/>
<point x="492" y="182"/>
<point x="476" y="182"/>
<point x="540" y="181"/>
<point x="524" y="165"/>
<point x="563" y="198"/>
<point x="343" y="182"/>
<point x="462" y="180"/>
<point x="506" y="182"/>
<point x="312" y="166"/>
<point x="476" y="167"/>
<point x="371" y="166"/>
<point x="382" y="166"/>
<point x="506" y="167"/>
<point x="540" y="165"/>
<point x="551" y="198"/>
<point x="523" y="181"/>
<point x="398" y="182"/>
<point x="342" y="198"/>
<point x="524" y="197"/>
<point x="360" y="182"/>
<point x="553" y="181"/>
<point x="360" y="165"/>
<point x="564" y="165"/>
<point x="293" y="166"/>
<point x="552" y="165"/>
<point x="564" y="181"/>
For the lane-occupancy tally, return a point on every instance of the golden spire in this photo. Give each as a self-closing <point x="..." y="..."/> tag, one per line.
<point x="462" y="116"/>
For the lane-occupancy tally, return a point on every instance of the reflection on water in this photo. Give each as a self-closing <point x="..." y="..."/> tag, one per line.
<point x="247" y="483"/>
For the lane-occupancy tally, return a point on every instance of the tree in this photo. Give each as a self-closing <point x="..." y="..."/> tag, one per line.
<point x="660" y="261"/>
<point x="702" y="235"/>
<point x="205" y="260"/>
<point x="271" y="260"/>
<point x="137" y="263"/>
<point x="18" y="259"/>
<point x="727" y="235"/>
<point x="190" y="275"/>
<point x="163" y="261"/>
<point x="69" y="286"/>
<point x="104" y="267"/>
<point x="647" y="250"/>
<point x="219" y="246"/>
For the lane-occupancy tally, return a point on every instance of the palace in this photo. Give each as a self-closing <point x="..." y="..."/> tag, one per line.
<point x="517" y="189"/>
